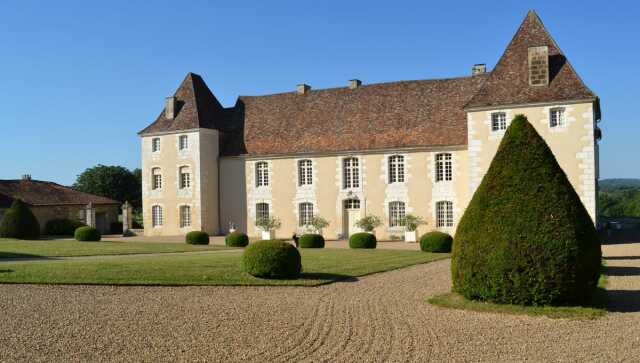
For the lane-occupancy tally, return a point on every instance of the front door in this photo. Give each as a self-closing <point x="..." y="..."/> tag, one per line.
<point x="351" y="214"/>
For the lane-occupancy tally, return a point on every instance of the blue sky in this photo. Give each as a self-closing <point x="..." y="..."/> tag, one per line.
<point x="78" y="79"/>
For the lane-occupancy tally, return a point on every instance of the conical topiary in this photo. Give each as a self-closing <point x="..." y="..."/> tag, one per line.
<point x="19" y="222"/>
<point x="525" y="237"/>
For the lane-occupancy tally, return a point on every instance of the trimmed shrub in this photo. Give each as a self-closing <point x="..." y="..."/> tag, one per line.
<point x="272" y="259"/>
<point x="19" y="222"/>
<point x="436" y="242"/>
<point x="236" y="239"/>
<point x="363" y="240"/>
<point x="197" y="238"/>
<point x="525" y="237"/>
<point x="87" y="234"/>
<point x="311" y="241"/>
<point x="62" y="227"/>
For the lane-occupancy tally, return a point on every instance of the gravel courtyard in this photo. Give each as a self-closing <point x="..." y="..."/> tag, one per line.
<point x="382" y="317"/>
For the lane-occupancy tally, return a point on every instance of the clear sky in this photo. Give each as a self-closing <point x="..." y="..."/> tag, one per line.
<point x="79" y="79"/>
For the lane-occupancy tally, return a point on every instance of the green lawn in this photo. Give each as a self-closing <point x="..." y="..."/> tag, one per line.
<point x="220" y="268"/>
<point x="11" y="248"/>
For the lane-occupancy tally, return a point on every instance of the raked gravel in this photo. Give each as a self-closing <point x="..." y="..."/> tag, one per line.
<point x="382" y="317"/>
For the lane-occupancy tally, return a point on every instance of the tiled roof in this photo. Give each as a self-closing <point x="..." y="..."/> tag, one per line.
<point x="508" y="83"/>
<point x="35" y="192"/>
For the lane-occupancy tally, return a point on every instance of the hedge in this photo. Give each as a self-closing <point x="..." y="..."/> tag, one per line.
<point x="62" y="227"/>
<point x="236" y="239"/>
<point x="87" y="234"/>
<point x="436" y="242"/>
<point x="197" y="238"/>
<point x="272" y="259"/>
<point x="363" y="240"/>
<point x="19" y="222"/>
<point x="311" y="241"/>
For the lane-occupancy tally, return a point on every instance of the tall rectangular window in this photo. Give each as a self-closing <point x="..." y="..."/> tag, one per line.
<point x="305" y="214"/>
<point x="155" y="144"/>
<point x="183" y="142"/>
<point x="262" y="174"/>
<point x="396" y="169"/>
<point x="556" y="117"/>
<point x="156" y="178"/>
<point x="444" y="214"/>
<point x="262" y="211"/>
<point x="444" y="167"/>
<point x="396" y="214"/>
<point x="305" y="172"/>
<point x="185" y="177"/>
<point x="350" y="173"/>
<point x="156" y="216"/>
<point x="498" y="121"/>
<point x="185" y="216"/>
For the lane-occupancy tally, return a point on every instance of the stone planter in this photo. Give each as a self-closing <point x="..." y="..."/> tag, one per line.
<point x="268" y="235"/>
<point x="410" y="236"/>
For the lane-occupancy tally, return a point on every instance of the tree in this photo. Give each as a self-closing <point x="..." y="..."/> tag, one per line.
<point x="115" y="182"/>
<point x="526" y="238"/>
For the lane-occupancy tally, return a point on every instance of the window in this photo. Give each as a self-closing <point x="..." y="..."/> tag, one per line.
<point x="305" y="172"/>
<point x="444" y="214"/>
<point x="556" y="117"/>
<point x="183" y="142"/>
<point x="350" y="173"/>
<point x="156" y="216"/>
<point x="443" y="167"/>
<point x="396" y="169"/>
<point x="498" y="121"/>
<point x="185" y="177"/>
<point x="262" y="211"/>
<point x="262" y="174"/>
<point x="185" y="216"/>
<point x="156" y="178"/>
<point x="305" y="213"/>
<point x="396" y="214"/>
<point x="352" y="204"/>
<point x="155" y="144"/>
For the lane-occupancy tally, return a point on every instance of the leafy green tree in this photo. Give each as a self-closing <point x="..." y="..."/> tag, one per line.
<point x="115" y="182"/>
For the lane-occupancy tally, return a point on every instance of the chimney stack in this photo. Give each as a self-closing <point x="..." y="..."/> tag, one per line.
<point x="303" y="88"/>
<point x="170" y="108"/>
<point x="26" y="177"/>
<point x="539" y="66"/>
<point x="354" y="83"/>
<point x="480" y="68"/>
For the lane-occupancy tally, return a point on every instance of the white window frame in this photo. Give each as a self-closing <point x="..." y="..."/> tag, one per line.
<point x="184" y="174"/>
<point x="444" y="167"/>
<point x="156" y="179"/>
<point x="305" y="172"/>
<point x="498" y="121"/>
<point x="262" y="174"/>
<point x="557" y="117"/>
<point x="262" y="210"/>
<point x="396" y="172"/>
<point x="183" y="142"/>
<point x="444" y="214"/>
<point x="185" y="216"/>
<point x="156" y="216"/>
<point x="305" y="213"/>
<point x="350" y="172"/>
<point x="397" y="212"/>
<point x="155" y="144"/>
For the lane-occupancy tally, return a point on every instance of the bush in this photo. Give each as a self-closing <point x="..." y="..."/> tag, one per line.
<point x="363" y="240"/>
<point x="236" y="239"/>
<point x="311" y="241"/>
<point x="197" y="238"/>
<point x="87" y="234"/>
<point x="62" y="227"/>
<point x="272" y="259"/>
<point x="525" y="237"/>
<point x="19" y="222"/>
<point x="436" y="242"/>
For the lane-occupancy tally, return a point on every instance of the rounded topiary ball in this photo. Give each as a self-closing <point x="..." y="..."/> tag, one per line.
<point x="436" y="242"/>
<point x="272" y="259"/>
<point x="236" y="239"/>
<point x="197" y="238"/>
<point x="311" y="241"/>
<point x="87" y="234"/>
<point x="363" y="240"/>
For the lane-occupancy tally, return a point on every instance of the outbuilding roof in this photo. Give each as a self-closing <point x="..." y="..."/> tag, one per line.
<point x="39" y="193"/>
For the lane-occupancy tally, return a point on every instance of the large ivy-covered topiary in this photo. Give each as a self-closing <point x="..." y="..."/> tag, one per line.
<point x="19" y="222"/>
<point x="525" y="237"/>
<point x="272" y="259"/>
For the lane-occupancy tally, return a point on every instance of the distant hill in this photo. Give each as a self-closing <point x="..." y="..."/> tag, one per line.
<point x="619" y="183"/>
<point x="619" y="197"/>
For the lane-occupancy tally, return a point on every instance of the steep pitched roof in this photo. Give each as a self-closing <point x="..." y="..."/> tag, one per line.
<point x="508" y="83"/>
<point x="196" y="107"/>
<point x="376" y="116"/>
<point x="35" y="192"/>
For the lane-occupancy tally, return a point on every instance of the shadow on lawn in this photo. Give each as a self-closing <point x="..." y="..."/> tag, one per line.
<point x="19" y="256"/>
<point x="621" y="257"/>
<point x="327" y="276"/>
<point x="623" y="301"/>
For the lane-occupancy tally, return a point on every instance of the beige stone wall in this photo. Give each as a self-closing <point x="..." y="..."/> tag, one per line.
<point x="573" y="144"/>
<point x="233" y="194"/>
<point x="74" y="212"/>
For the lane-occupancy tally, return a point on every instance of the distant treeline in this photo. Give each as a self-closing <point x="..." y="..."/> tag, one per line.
<point x="619" y="197"/>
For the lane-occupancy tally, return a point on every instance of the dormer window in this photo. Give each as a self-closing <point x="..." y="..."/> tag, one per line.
<point x="155" y="144"/>
<point x="498" y="121"/>
<point x="183" y="142"/>
<point x="556" y="117"/>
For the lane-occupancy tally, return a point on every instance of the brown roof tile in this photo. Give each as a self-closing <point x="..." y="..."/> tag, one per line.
<point x="35" y="192"/>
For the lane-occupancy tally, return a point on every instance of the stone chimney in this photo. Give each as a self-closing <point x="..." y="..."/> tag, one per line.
<point x="303" y="88"/>
<point x="539" y="66"/>
<point x="170" y="108"/>
<point x="26" y="177"/>
<point x="355" y="83"/>
<point x="480" y="68"/>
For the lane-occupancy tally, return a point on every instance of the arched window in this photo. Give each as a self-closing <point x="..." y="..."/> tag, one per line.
<point x="350" y="173"/>
<point x="185" y="177"/>
<point x="396" y="214"/>
<point x="396" y="169"/>
<point x="305" y="213"/>
<point x="185" y="216"/>
<point x="156" y="178"/>
<point x="444" y="168"/>
<point x="444" y="214"/>
<point x="262" y="174"/>
<point x="262" y="211"/>
<point x="305" y="172"/>
<point x="156" y="216"/>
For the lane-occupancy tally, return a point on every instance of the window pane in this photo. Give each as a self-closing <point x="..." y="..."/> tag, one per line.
<point x="305" y="213"/>
<point x="185" y="216"/>
<point x="396" y="214"/>
<point x="262" y="174"/>
<point x="262" y="211"/>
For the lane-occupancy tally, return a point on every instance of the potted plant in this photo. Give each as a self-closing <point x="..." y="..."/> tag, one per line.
<point x="317" y="224"/>
<point x="369" y="223"/>
<point x="411" y="224"/>
<point x="268" y="226"/>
